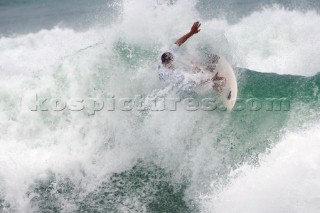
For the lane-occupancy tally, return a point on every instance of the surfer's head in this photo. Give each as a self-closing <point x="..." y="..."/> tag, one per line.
<point x="167" y="59"/>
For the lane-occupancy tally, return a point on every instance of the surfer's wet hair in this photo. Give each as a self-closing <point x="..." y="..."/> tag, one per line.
<point x="166" y="57"/>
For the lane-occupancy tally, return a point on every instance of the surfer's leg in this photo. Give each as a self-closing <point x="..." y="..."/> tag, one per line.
<point x="216" y="77"/>
<point x="217" y="87"/>
<point x="218" y="82"/>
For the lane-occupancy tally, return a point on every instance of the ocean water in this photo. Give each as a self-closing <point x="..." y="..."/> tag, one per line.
<point x="257" y="158"/>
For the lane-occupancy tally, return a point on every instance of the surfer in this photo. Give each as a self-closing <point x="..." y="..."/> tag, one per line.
<point x="167" y="70"/>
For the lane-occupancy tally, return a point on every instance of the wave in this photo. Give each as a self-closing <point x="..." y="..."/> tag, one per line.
<point x="155" y="161"/>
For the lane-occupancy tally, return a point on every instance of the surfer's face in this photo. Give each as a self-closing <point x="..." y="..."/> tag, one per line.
<point x="169" y="65"/>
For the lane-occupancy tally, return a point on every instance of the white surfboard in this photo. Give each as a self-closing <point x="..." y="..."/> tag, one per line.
<point x="228" y="89"/>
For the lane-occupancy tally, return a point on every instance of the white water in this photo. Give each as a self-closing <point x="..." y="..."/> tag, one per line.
<point x="267" y="40"/>
<point x="277" y="40"/>
<point x="287" y="179"/>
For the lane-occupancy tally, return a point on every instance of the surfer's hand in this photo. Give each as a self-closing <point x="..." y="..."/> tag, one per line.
<point x="195" y="27"/>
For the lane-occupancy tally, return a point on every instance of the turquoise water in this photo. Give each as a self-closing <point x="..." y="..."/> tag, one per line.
<point x="253" y="159"/>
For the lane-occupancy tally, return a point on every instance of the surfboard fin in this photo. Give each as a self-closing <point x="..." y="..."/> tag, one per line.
<point x="229" y="95"/>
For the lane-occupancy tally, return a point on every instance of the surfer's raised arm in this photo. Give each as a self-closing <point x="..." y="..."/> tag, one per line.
<point x="194" y="30"/>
